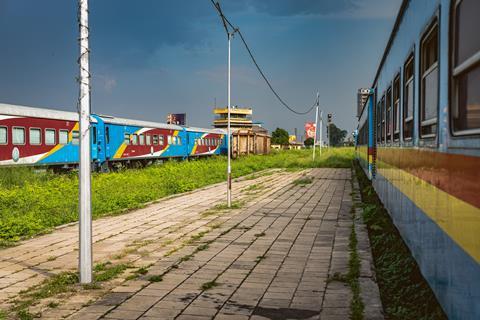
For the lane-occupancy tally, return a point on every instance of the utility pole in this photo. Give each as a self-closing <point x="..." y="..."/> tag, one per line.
<point x="316" y="123"/>
<point x="85" y="214"/>
<point x="229" y="148"/>
<point x="321" y="128"/>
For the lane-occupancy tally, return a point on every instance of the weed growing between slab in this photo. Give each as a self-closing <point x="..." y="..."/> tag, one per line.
<point x="405" y="293"/>
<point x="356" y="305"/>
<point x="303" y="181"/>
<point x="209" y="285"/>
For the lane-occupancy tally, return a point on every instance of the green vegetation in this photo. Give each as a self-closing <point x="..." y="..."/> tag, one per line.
<point x="303" y="181"/>
<point x="209" y="285"/>
<point x="356" y="305"/>
<point x="33" y="202"/>
<point x="405" y="293"/>
<point x="258" y="235"/>
<point x="280" y="136"/>
<point x="155" y="278"/>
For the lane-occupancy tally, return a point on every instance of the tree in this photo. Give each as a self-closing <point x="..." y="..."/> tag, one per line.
<point x="336" y="135"/>
<point x="280" y="136"/>
<point x="308" y="142"/>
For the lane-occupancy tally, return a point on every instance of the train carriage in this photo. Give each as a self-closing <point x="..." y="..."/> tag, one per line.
<point x="204" y="142"/>
<point x="421" y="127"/>
<point x="128" y="139"/>
<point x="32" y="136"/>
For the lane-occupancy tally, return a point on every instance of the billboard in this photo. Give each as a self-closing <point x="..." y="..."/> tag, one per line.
<point x="310" y="129"/>
<point x="292" y="138"/>
<point x="177" y="118"/>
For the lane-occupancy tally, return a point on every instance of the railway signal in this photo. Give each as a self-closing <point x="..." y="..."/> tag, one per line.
<point x="85" y="214"/>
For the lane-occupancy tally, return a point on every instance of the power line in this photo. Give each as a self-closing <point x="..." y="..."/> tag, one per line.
<point x="225" y="22"/>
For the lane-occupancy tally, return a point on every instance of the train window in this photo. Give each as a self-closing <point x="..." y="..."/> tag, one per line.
<point x="429" y="82"/>
<point x="396" y="108"/>
<point x="134" y="139"/>
<point x="466" y="68"/>
<point x="382" y="117"/>
<point x="18" y="136"/>
<point x="126" y="138"/>
<point x="408" y="76"/>
<point x="148" y="139"/>
<point x="161" y="140"/>
<point x="179" y="140"/>
<point x="35" y="136"/>
<point x="107" y="135"/>
<point x="155" y="139"/>
<point x="169" y="139"/>
<point x="379" y="121"/>
<point x="389" y="115"/>
<point x="141" y="139"/>
<point x="75" y="137"/>
<point x="3" y="135"/>
<point x="94" y="135"/>
<point x="63" y="137"/>
<point x="50" y="138"/>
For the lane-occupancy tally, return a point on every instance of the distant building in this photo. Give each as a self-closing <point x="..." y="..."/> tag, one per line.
<point x="247" y="137"/>
<point x="239" y="117"/>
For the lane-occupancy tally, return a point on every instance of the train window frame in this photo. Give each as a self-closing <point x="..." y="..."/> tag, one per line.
<point x="126" y="138"/>
<point x="388" y="115"/>
<point x="179" y="140"/>
<point x="107" y="134"/>
<point x="148" y="139"/>
<point x="141" y="139"/>
<point x="456" y="71"/>
<point x="161" y="139"/>
<point x="433" y="26"/>
<point x="134" y="139"/>
<point x="75" y="137"/>
<point x="24" y="136"/>
<point x="169" y="139"/>
<point x="155" y="140"/>
<point x="6" y="135"/>
<point x="47" y="143"/>
<point x="396" y="103"/>
<point x="60" y="135"/>
<point x="39" y="130"/>
<point x="378" y="121"/>
<point x="383" y="132"/>
<point x="407" y="81"/>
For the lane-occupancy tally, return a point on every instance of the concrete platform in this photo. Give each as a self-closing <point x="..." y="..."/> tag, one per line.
<point x="272" y="258"/>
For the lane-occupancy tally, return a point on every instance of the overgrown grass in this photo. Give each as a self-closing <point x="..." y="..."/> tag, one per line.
<point x="405" y="293"/>
<point x="33" y="202"/>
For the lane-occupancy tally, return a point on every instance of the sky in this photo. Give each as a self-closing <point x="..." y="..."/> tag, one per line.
<point x="154" y="57"/>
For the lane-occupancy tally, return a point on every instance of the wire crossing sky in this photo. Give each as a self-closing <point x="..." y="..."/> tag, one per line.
<point x="234" y="30"/>
<point x="152" y="57"/>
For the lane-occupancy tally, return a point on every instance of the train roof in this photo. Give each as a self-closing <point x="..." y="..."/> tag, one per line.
<point x="23" y="111"/>
<point x="195" y="129"/>
<point x="139" y="123"/>
<point x="396" y="25"/>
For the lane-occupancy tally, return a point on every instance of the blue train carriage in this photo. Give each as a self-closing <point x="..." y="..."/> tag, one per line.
<point x="42" y="137"/>
<point x="365" y="148"/>
<point x="142" y="141"/>
<point x="426" y="129"/>
<point x="205" y="142"/>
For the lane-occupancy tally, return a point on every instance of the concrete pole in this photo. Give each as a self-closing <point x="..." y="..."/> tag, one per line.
<point x="316" y="124"/>
<point x="321" y="128"/>
<point x="85" y="214"/>
<point x="229" y="168"/>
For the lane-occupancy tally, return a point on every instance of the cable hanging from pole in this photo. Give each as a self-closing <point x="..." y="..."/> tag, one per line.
<point x="226" y="24"/>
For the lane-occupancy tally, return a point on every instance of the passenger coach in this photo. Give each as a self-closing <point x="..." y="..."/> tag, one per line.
<point x="44" y="137"/>
<point x="419" y="142"/>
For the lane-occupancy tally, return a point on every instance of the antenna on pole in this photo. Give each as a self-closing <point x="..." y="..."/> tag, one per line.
<point x="85" y="214"/>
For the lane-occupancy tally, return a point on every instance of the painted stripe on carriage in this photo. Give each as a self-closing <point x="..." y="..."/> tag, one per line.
<point x="457" y="218"/>
<point x="119" y="153"/>
<point x="24" y="160"/>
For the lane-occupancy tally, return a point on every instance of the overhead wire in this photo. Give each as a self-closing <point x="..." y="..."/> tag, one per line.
<point x="252" y="57"/>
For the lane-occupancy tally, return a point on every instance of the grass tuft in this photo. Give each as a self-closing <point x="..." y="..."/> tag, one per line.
<point x="209" y="285"/>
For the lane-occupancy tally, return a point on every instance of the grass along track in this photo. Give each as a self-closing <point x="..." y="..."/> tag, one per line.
<point x="32" y="203"/>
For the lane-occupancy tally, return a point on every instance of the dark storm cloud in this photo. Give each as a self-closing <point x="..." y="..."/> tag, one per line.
<point x="294" y="7"/>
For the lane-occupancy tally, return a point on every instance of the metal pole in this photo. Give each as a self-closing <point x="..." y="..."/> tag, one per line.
<point x="85" y="214"/>
<point x="229" y="168"/>
<point x="316" y="123"/>
<point x="321" y="128"/>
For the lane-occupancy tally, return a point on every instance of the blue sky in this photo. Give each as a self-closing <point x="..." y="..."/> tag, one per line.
<point x="152" y="57"/>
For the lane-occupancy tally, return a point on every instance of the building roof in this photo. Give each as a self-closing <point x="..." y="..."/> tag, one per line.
<point x="233" y="110"/>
